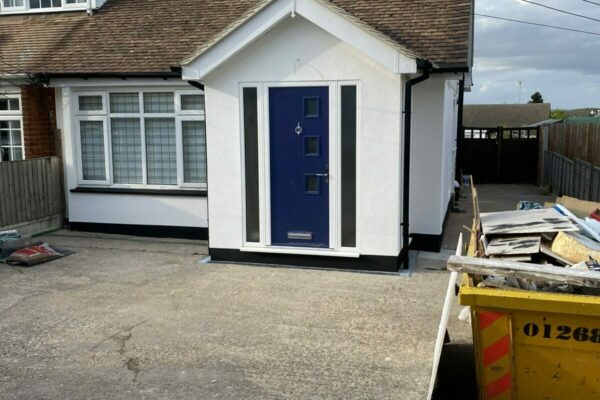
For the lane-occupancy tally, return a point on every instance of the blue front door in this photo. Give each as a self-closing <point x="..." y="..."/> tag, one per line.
<point x="299" y="138"/>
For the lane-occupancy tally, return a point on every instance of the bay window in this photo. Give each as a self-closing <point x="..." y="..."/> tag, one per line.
<point x="142" y="139"/>
<point x="11" y="128"/>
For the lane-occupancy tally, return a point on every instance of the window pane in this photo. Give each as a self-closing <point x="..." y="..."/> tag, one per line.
<point x="126" y="150"/>
<point x="161" y="151"/>
<point x="311" y="107"/>
<point x="92" y="150"/>
<point x="311" y="146"/>
<point x="348" y="166"/>
<point x="312" y="184"/>
<point x="159" y="102"/>
<point x="4" y="138"/>
<point x="13" y="104"/>
<point x="13" y="3"/>
<point x="17" y="153"/>
<point x="16" y="137"/>
<point x="124" y="103"/>
<point x="251" y="164"/>
<point x="7" y="104"/>
<point x="5" y="154"/>
<point x="194" y="151"/>
<point x="44" y="3"/>
<point x="90" y="103"/>
<point x="192" y="102"/>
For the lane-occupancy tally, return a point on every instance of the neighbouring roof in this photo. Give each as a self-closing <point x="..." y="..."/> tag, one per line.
<point x="506" y="115"/>
<point x="151" y="36"/>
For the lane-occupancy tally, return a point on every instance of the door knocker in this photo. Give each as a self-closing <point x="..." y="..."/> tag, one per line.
<point x="299" y="129"/>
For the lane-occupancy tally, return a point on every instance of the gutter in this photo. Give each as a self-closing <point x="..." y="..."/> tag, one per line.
<point x="425" y="67"/>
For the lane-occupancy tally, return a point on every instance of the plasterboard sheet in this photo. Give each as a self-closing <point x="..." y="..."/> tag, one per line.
<point x="513" y="245"/>
<point x="526" y="221"/>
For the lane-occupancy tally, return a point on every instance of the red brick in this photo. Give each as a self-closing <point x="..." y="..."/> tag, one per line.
<point x="39" y="121"/>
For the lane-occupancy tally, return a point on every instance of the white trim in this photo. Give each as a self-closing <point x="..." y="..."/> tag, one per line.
<point x="106" y="115"/>
<point x="11" y="146"/>
<point x="178" y="102"/>
<point x="103" y="83"/>
<point x="15" y="95"/>
<point x="104" y="121"/>
<point x="102" y="94"/>
<point x="393" y="57"/>
<point x="26" y="8"/>
<point x="300" y="251"/>
<point x="14" y="115"/>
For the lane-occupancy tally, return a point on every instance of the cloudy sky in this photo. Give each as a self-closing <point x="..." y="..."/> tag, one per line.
<point x="563" y="66"/>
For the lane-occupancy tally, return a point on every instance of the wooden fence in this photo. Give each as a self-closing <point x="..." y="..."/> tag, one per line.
<point x="574" y="178"/>
<point x="576" y="142"/>
<point x="30" y="191"/>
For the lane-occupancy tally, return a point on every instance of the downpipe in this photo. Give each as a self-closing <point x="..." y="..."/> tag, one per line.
<point x="408" y="94"/>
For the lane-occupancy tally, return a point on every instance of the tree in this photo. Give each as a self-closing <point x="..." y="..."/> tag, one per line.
<point x="558" y="114"/>
<point x="536" y="98"/>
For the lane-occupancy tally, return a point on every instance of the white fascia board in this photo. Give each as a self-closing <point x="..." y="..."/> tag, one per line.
<point x="315" y="12"/>
<point x="114" y="82"/>
<point x="236" y="41"/>
<point x="340" y="27"/>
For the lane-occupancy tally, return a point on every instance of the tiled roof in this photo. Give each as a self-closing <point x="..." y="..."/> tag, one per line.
<point x="151" y="36"/>
<point x="506" y="115"/>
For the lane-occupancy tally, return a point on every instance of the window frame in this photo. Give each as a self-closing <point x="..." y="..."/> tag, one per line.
<point x="14" y="115"/>
<point x="104" y="110"/>
<point x="177" y="115"/>
<point x="10" y="96"/>
<point x="178" y="103"/>
<point x="179" y="140"/>
<point x="107" y="167"/>
<point x="26" y="8"/>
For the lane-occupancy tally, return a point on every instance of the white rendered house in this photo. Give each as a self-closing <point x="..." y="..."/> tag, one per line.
<point x="302" y="132"/>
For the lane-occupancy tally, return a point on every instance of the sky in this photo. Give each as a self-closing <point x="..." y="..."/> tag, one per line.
<point x="563" y="66"/>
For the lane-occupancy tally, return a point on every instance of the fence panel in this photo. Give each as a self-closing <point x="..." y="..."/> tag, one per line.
<point x="577" y="178"/>
<point x="576" y="142"/>
<point x="30" y="190"/>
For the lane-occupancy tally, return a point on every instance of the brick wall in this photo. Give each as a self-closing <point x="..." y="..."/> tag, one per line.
<point x="39" y="121"/>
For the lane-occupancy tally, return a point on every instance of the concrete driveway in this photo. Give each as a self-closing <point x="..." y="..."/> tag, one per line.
<point x="132" y="318"/>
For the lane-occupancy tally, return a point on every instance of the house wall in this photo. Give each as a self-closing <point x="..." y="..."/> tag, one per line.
<point x="122" y="209"/>
<point x="39" y="121"/>
<point x="435" y="113"/>
<point x="298" y="51"/>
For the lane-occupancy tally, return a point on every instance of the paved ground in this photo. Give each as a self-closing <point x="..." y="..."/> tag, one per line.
<point x="134" y="318"/>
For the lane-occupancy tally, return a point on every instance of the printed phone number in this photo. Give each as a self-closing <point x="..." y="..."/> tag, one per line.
<point x="562" y="332"/>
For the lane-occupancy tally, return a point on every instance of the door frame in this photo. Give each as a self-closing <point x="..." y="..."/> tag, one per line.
<point x="335" y="183"/>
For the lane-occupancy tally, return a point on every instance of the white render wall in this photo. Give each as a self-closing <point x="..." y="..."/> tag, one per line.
<point x="153" y="210"/>
<point x="435" y="113"/>
<point x="298" y="51"/>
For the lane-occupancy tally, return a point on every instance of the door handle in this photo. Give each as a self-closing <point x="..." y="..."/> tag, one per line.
<point x="326" y="174"/>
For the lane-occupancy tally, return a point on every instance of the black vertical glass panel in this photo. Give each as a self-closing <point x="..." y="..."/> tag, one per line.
<point x="251" y="164"/>
<point x="349" y="194"/>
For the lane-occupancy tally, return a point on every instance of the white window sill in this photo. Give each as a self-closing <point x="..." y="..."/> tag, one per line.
<point x="301" y="251"/>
